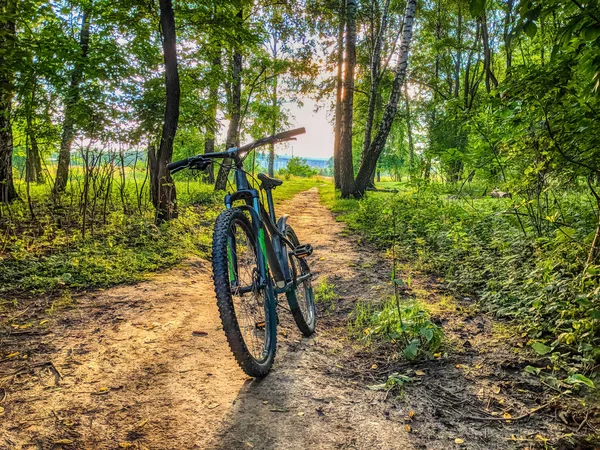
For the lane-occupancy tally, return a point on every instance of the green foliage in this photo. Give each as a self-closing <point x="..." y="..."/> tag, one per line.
<point x="50" y="253"/>
<point x="406" y="324"/>
<point x="298" y="167"/>
<point x="325" y="293"/>
<point x="481" y="247"/>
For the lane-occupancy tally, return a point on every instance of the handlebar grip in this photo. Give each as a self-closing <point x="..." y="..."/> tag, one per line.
<point x="290" y="133"/>
<point x="177" y="164"/>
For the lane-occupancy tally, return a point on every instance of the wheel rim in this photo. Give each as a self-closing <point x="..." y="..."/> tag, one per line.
<point x="248" y="298"/>
<point x="303" y="292"/>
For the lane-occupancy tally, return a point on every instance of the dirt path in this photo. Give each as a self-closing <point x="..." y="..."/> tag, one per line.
<point x="147" y="366"/>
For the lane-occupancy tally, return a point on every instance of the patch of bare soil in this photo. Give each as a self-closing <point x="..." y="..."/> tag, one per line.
<point x="147" y="366"/>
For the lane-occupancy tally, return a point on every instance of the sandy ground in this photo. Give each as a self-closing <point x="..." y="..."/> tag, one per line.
<point x="148" y="366"/>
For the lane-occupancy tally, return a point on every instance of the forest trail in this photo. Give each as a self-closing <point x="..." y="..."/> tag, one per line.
<point x="148" y="366"/>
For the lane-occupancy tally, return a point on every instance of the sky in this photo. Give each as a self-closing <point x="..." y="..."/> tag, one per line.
<point x="318" y="140"/>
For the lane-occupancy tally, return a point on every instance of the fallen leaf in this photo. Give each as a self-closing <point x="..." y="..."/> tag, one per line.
<point x="44" y="321"/>
<point x="1" y="411"/>
<point x="125" y="444"/>
<point x="459" y="441"/>
<point x="419" y="373"/>
<point x="212" y="405"/>
<point x="265" y="402"/>
<point x="12" y="355"/>
<point x="437" y="355"/>
<point x="142" y="423"/>
<point x="408" y="428"/>
<point x="374" y="366"/>
<point x="301" y="413"/>
<point x="63" y="441"/>
<point x="507" y="415"/>
<point x="411" y="414"/>
<point x="496" y="389"/>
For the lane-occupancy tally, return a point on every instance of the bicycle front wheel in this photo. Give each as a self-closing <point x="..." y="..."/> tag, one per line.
<point x="246" y="305"/>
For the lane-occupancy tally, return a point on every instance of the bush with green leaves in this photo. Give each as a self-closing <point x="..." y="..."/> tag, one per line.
<point x="298" y="167"/>
<point x="491" y="248"/>
<point x="405" y="323"/>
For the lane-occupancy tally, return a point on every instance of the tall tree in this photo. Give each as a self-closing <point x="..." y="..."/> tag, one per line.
<point x="491" y="82"/>
<point x="33" y="162"/>
<point x="235" y="111"/>
<point x="213" y="104"/>
<point x="339" y="88"/>
<point x="375" y="67"/>
<point x="369" y="162"/>
<point x="71" y="101"/>
<point x="345" y="150"/>
<point x="8" y="12"/>
<point x="163" y="192"/>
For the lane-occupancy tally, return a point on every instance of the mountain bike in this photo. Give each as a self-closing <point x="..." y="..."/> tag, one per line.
<point x="255" y="258"/>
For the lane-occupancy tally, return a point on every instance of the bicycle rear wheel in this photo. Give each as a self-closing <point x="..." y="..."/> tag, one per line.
<point x="301" y="298"/>
<point x="247" y="308"/>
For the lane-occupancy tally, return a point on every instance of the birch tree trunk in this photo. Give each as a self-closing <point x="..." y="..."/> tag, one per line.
<point x="375" y="78"/>
<point x="369" y="163"/>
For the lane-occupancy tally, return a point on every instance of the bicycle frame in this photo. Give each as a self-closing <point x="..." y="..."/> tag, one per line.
<point x="271" y="239"/>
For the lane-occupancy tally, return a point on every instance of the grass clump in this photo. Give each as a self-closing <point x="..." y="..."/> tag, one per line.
<point x="325" y="293"/>
<point x="405" y="324"/>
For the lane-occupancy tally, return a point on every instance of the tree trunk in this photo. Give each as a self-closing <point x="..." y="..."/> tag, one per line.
<point x="273" y="128"/>
<point x="33" y="162"/>
<point x="165" y="197"/>
<point x="213" y="103"/>
<point x="73" y="95"/>
<point x="235" y="114"/>
<point x="345" y="150"/>
<point x="458" y="64"/>
<point x="338" y="97"/>
<point x="490" y="78"/>
<point x="508" y="20"/>
<point x="7" y="47"/>
<point x="376" y="147"/>
<point x="271" y="170"/>
<point x="411" y="145"/>
<point x="375" y="78"/>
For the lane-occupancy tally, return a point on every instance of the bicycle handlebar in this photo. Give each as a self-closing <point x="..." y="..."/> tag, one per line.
<point x="201" y="162"/>
<point x="290" y="133"/>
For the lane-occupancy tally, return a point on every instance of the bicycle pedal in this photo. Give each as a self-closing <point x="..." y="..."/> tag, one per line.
<point x="302" y="251"/>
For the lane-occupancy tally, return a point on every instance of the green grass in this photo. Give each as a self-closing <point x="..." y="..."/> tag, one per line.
<point x="49" y="252"/>
<point x="325" y="293"/>
<point x="531" y="270"/>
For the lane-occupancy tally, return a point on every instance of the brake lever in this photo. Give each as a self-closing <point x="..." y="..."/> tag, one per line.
<point x="200" y="164"/>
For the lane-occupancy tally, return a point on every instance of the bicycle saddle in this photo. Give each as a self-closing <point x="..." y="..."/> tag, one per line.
<point x="268" y="182"/>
